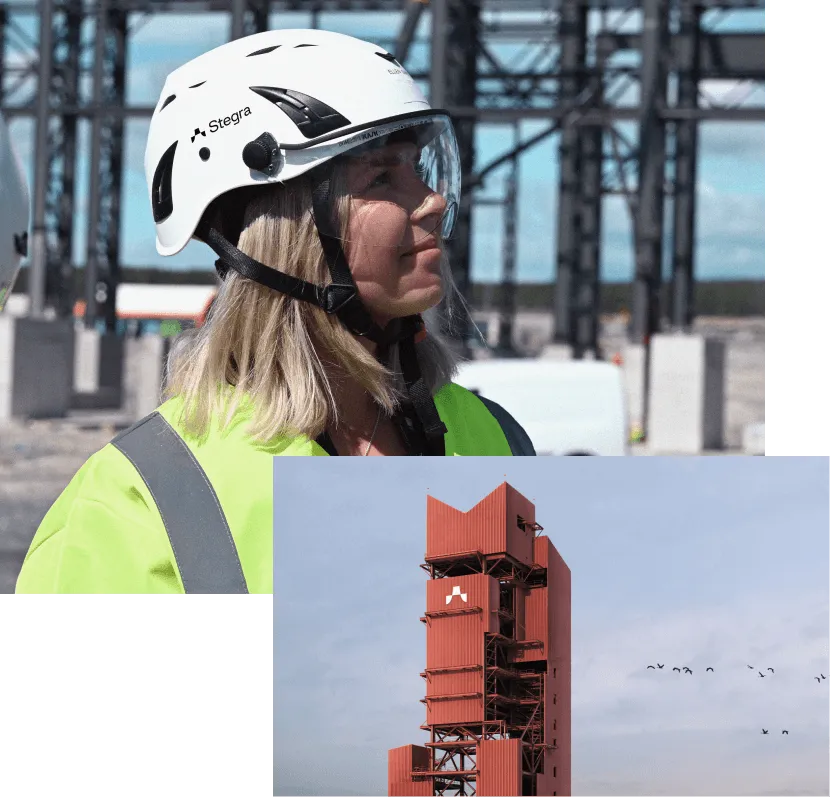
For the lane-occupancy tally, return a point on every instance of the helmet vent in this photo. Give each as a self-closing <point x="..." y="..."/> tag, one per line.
<point x="168" y="101"/>
<point x="264" y="50"/>
<point x="391" y="58"/>
<point x="162" y="185"/>
<point x="196" y="85"/>
<point x="312" y="117"/>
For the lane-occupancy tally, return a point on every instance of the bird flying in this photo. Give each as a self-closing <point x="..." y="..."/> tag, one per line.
<point x="709" y="668"/>
<point x="763" y="731"/>
<point x="818" y="679"/>
<point x="821" y="674"/>
<point x="771" y="670"/>
<point x="651" y="667"/>
<point x="750" y="666"/>
<point x="678" y="670"/>
<point x="787" y="732"/>
<point x="660" y="665"/>
<point x="762" y="675"/>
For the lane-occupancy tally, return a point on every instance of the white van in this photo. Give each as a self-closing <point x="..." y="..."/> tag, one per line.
<point x="574" y="407"/>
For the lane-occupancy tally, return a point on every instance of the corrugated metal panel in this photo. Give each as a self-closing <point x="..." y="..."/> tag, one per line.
<point x="453" y="641"/>
<point x="455" y="683"/>
<point x="520" y="540"/>
<point x="499" y="764"/>
<point x="559" y="584"/>
<point x="489" y="527"/>
<point x="548" y="781"/>
<point x="536" y="625"/>
<point x="446" y="712"/>
<point x="402" y="760"/>
<point x="541" y="547"/>
<point x="466" y="592"/>
<point x="483" y="528"/>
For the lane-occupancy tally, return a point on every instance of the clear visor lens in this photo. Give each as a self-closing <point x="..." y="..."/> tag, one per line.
<point x="403" y="186"/>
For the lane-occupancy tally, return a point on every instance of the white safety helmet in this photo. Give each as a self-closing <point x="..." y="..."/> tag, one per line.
<point x="14" y="215"/>
<point x="270" y="107"/>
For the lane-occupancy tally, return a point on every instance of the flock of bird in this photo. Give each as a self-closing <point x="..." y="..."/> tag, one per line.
<point x="712" y="669"/>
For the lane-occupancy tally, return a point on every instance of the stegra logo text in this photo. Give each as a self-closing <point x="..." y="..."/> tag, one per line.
<point x="217" y="124"/>
<point x="233" y="119"/>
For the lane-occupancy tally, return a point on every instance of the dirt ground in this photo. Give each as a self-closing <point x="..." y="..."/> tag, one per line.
<point x="37" y="461"/>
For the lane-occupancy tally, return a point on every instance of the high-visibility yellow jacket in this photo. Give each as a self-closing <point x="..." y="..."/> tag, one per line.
<point x="157" y="511"/>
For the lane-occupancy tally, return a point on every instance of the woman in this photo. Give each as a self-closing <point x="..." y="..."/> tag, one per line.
<point x="311" y="163"/>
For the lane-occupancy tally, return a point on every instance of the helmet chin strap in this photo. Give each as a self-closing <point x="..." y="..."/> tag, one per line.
<point x="417" y="420"/>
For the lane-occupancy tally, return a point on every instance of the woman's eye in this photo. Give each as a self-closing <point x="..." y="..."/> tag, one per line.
<point x="382" y="175"/>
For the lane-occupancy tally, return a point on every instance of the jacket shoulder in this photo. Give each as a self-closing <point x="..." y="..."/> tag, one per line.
<point x="518" y="440"/>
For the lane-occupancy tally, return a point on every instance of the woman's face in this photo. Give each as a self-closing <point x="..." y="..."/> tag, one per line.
<point x="392" y="211"/>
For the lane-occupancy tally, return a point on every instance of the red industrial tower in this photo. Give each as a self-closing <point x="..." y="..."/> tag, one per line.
<point x="498" y="674"/>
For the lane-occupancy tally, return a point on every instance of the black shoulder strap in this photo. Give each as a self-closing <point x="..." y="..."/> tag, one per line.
<point x="520" y="444"/>
<point x="202" y="543"/>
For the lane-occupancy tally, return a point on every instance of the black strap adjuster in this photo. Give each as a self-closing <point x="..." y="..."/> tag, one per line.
<point x="335" y="297"/>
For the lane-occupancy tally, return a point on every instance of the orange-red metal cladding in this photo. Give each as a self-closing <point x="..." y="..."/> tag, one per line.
<point x="490" y="527"/>
<point x="456" y="666"/>
<point x="453" y="712"/>
<point x="465" y="592"/>
<point x="499" y="764"/>
<point x="536" y="624"/>
<point x="455" y="641"/>
<point x="559" y="666"/>
<point x="402" y="760"/>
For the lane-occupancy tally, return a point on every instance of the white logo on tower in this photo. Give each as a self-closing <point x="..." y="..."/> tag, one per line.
<point x="457" y="591"/>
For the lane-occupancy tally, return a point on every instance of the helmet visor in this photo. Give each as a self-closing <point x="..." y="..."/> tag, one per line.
<point x="402" y="183"/>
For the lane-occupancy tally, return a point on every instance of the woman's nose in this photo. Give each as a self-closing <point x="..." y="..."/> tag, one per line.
<point x="433" y="203"/>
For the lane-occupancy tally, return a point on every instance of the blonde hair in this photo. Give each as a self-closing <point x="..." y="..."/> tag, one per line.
<point x="280" y="352"/>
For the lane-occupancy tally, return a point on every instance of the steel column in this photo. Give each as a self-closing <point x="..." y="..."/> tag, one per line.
<point x="454" y="42"/>
<point x="508" y="290"/>
<point x="573" y="25"/>
<point x="685" y="182"/>
<point x="40" y="252"/>
<point x="93" y="199"/>
<point x="648" y="225"/>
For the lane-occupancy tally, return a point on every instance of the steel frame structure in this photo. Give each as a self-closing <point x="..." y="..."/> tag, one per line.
<point x="573" y="82"/>
<point x="514" y="694"/>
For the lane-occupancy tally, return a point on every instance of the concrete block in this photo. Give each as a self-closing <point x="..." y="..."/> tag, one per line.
<point x="753" y="439"/>
<point x="144" y="362"/>
<point x="686" y="394"/>
<point x="99" y="369"/>
<point x="36" y="366"/>
<point x="557" y="351"/>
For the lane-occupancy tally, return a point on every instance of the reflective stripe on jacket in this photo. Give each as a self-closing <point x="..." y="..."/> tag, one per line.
<point x="157" y="511"/>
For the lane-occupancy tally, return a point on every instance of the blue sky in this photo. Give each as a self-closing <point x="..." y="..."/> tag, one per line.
<point x="730" y="224"/>
<point x="718" y="562"/>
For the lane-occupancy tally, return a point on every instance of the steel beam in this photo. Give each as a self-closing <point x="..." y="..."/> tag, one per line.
<point x="723" y="56"/>
<point x="412" y="16"/>
<point x="327" y="6"/>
